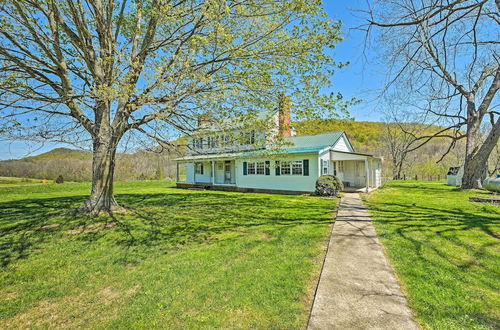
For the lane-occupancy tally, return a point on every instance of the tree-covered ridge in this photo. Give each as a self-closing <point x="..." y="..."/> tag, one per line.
<point x="361" y="133"/>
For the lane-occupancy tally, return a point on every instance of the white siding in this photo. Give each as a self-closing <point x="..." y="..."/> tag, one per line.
<point x="280" y="182"/>
<point x="341" y="145"/>
<point x="324" y="157"/>
<point x="206" y="177"/>
<point x="189" y="173"/>
<point x="219" y="172"/>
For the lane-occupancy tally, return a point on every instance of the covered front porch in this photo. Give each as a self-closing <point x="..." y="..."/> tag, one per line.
<point x="205" y="172"/>
<point x="359" y="172"/>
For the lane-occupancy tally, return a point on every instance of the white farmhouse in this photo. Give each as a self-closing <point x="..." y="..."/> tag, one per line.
<point x="217" y="160"/>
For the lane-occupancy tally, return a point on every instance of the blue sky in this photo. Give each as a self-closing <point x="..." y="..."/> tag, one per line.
<point x="359" y="79"/>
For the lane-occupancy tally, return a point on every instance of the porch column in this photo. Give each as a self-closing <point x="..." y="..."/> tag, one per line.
<point x="176" y="171"/>
<point x="213" y="172"/>
<point x="367" y="175"/>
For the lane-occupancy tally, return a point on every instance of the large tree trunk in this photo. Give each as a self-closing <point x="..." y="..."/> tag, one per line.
<point x="475" y="167"/>
<point x="101" y="198"/>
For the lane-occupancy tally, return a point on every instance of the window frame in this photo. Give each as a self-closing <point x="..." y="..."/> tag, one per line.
<point x="285" y="166"/>
<point x="301" y="167"/>
<point x="261" y="165"/>
<point x="198" y="168"/>
<point x="198" y="143"/>
<point x="324" y="167"/>
<point x="251" y="168"/>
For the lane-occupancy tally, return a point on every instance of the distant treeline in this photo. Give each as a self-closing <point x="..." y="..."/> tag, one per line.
<point x="78" y="167"/>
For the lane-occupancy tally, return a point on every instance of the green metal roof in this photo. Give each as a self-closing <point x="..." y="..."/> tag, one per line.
<point x="317" y="140"/>
<point x="294" y="145"/>
<point x="255" y="153"/>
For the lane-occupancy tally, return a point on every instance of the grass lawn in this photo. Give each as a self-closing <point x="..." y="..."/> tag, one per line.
<point x="176" y="259"/>
<point x="445" y="251"/>
<point x="11" y="181"/>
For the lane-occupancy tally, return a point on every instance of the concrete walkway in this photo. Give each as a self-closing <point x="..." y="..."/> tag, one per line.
<point x="357" y="287"/>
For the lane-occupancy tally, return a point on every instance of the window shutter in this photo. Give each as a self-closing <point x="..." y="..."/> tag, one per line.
<point x="277" y="167"/>
<point x="268" y="165"/>
<point x="245" y="168"/>
<point x="306" y="167"/>
<point x="201" y="168"/>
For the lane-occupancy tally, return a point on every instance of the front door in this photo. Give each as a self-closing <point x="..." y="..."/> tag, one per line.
<point x="360" y="174"/>
<point x="227" y="171"/>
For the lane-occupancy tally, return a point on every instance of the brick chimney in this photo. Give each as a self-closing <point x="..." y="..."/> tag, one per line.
<point x="202" y="119"/>
<point x="285" y="124"/>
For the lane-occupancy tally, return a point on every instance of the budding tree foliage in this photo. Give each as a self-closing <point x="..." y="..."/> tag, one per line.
<point x="101" y="71"/>
<point x="443" y="66"/>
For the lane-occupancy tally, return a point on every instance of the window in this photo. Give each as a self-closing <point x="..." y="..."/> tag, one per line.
<point x="251" y="168"/>
<point x="335" y="168"/>
<point x="297" y="167"/>
<point x="324" y="166"/>
<point x="198" y="168"/>
<point x="341" y="166"/>
<point x="285" y="168"/>
<point x="249" y="137"/>
<point x="198" y="143"/>
<point x="211" y="142"/>
<point x="260" y="168"/>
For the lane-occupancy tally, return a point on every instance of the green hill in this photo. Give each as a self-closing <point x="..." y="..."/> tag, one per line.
<point x="359" y="132"/>
<point x="61" y="153"/>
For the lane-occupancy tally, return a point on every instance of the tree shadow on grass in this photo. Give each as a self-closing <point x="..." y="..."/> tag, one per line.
<point x="169" y="220"/>
<point x="453" y="242"/>
<point x="410" y="222"/>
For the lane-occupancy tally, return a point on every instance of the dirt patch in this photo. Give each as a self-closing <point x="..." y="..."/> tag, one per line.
<point x="109" y="294"/>
<point x="92" y="228"/>
<point x="79" y="311"/>
<point x="8" y="294"/>
<point x="49" y="227"/>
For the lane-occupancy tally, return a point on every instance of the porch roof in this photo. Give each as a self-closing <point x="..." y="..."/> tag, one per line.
<point x="256" y="153"/>
<point x="317" y="140"/>
<point x="347" y="153"/>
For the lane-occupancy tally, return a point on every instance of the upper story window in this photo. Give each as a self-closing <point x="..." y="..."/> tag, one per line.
<point x="230" y="140"/>
<point x="198" y="143"/>
<point x="211" y="142"/>
<point x="249" y="137"/>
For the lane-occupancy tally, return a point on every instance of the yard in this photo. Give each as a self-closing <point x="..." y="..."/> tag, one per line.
<point x="444" y="249"/>
<point x="177" y="258"/>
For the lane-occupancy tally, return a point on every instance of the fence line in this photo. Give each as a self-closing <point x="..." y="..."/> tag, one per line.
<point x="421" y="177"/>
